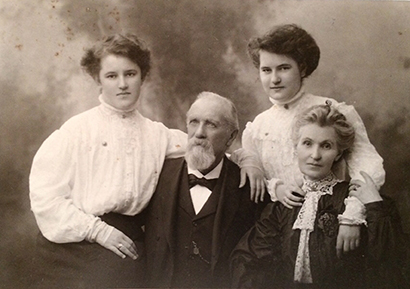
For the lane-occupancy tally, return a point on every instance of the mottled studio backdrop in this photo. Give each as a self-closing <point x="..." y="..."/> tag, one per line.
<point x="197" y="45"/>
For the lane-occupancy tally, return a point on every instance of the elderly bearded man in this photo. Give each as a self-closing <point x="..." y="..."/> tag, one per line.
<point x="198" y="212"/>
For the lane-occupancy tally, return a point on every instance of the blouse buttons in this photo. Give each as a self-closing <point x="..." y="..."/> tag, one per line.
<point x="123" y="116"/>
<point x="104" y="144"/>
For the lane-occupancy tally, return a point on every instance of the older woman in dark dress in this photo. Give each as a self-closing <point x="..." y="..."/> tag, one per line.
<point x="297" y="247"/>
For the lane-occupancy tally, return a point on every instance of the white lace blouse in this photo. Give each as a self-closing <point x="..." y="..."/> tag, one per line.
<point x="269" y="137"/>
<point x="100" y="161"/>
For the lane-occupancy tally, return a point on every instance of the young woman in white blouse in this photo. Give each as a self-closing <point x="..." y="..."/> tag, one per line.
<point x="285" y="57"/>
<point x="91" y="178"/>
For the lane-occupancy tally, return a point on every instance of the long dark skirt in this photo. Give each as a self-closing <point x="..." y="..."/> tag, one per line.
<point x="89" y="265"/>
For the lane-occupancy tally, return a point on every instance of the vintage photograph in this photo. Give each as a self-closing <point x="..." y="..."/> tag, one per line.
<point x="204" y="144"/>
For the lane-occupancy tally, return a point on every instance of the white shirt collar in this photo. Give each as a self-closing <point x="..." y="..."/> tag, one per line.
<point x="214" y="174"/>
<point x="111" y="108"/>
<point x="289" y="101"/>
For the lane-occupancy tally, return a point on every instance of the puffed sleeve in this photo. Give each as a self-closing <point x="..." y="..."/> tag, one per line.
<point x="51" y="181"/>
<point x="254" y="255"/>
<point x="177" y="142"/>
<point x="247" y="156"/>
<point x="363" y="156"/>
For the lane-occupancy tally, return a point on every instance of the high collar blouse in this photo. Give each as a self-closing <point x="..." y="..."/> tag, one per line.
<point x="100" y="161"/>
<point x="269" y="137"/>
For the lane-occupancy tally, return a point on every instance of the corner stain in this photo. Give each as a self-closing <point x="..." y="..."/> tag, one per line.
<point x="19" y="47"/>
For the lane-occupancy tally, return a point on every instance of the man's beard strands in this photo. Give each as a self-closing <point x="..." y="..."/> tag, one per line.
<point x="200" y="154"/>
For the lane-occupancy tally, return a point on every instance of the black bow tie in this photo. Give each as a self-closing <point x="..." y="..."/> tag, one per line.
<point x="193" y="181"/>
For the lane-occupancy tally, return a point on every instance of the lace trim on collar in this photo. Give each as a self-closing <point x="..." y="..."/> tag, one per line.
<point x="324" y="185"/>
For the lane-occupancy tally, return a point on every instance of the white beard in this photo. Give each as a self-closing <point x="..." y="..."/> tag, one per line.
<point x="199" y="155"/>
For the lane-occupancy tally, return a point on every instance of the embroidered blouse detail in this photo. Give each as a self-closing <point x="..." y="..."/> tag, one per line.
<point x="305" y="221"/>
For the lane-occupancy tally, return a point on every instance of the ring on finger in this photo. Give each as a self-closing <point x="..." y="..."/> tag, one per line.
<point x="120" y="246"/>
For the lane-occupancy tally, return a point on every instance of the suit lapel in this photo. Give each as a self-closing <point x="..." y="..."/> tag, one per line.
<point x="177" y="180"/>
<point x="185" y="201"/>
<point x="228" y="205"/>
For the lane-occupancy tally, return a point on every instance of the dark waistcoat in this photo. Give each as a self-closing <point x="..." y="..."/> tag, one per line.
<point x="194" y="241"/>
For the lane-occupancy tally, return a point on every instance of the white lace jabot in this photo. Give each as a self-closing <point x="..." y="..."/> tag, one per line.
<point x="305" y="222"/>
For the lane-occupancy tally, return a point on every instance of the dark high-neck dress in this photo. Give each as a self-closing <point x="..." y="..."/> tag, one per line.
<point x="265" y="256"/>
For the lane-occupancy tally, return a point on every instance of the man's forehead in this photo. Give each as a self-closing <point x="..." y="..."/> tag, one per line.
<point x="206" y="109"/>
<point x="211" y="116"/>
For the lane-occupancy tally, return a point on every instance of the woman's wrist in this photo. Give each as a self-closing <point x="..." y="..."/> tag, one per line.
<point x="354" y="214"/>
<point x="99" y="232"/>
<point x="272" y="186"/>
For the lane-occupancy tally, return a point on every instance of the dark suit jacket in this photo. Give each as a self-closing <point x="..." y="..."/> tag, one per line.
<point x="234" y="216"/>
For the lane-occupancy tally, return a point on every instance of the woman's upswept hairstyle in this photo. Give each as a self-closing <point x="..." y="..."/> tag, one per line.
<point x="326" y="116"/>
<point x="289" y="40"/>
<point x="127" y="45"/>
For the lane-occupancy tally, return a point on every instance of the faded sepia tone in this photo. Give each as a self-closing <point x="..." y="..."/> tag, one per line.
<point x="197" y="45"/>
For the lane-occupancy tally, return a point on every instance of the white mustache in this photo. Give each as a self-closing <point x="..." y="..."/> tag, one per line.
<point x="196" y="142"/>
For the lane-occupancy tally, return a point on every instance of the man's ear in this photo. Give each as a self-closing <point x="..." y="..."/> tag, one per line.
<point x="232" y="137"/>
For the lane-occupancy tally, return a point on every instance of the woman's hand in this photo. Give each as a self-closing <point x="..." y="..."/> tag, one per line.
<point x="366" y="191"/>
<point x="257" y="182"/>
<point x="348" y="239"/>
<point x="290" y="195"/>
<point x="120" y="244"/>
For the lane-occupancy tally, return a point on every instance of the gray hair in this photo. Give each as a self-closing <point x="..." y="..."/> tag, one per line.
<point x="326" y="116"/>
<point x="231" y="117"/>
